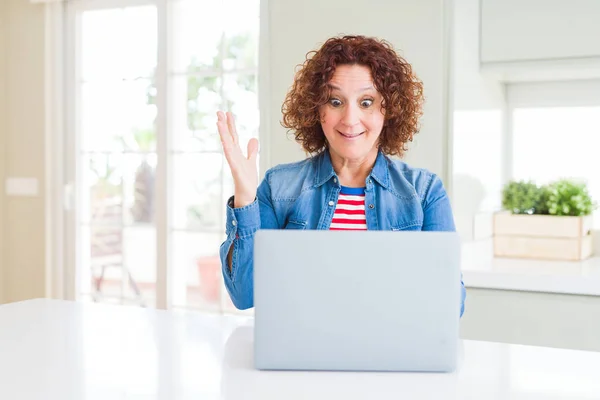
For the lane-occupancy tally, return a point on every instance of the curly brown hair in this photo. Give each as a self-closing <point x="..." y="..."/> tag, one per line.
<point x="392" y="76"/>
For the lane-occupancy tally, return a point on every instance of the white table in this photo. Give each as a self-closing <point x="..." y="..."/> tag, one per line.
<point x="482" y="270"/>
<point x="65" y="350"/>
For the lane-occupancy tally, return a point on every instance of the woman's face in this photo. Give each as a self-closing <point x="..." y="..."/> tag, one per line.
<point x="353" y="118"/>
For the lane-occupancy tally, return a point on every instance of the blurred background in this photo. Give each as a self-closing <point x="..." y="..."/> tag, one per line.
<point x="115" y="184"/>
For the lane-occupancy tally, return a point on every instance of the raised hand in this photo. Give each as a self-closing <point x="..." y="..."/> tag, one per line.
<point x="243" y="168"/>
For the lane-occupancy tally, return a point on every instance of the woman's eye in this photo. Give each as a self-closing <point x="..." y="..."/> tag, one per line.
<point x="335" y="102"/>
<point x="366" y="103"/>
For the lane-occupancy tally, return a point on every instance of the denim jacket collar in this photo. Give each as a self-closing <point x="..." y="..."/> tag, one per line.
<point x="324" y="169"/>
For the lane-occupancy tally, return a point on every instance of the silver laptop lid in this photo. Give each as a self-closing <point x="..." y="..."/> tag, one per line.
<point x="375" y="300"/>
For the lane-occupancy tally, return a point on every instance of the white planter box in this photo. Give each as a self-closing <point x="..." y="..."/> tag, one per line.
<point x="542" y="236"/>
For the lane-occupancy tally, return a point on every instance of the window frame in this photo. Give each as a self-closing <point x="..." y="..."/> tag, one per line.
<point x="577" y="93"/>
<point x="164" y="151"/>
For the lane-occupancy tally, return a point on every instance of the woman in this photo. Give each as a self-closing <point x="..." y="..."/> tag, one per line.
<point x="353" y="103"/>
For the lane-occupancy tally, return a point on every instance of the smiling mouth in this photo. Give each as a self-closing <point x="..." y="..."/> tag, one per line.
<point x="350" y="136"/>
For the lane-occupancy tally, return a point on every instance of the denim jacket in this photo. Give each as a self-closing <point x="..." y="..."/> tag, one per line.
<point x="303" y="195"/>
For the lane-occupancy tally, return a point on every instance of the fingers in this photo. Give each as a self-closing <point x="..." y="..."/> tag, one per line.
<point x="226" y="138"/>
<point x="252" y="149"/>
<point x="232" y="129"/>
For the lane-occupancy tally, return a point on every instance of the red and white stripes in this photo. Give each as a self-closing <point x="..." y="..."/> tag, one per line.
<point x="350" y="211"/>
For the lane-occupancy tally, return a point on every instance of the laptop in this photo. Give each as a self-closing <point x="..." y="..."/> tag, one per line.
<point x="356" y="300"/>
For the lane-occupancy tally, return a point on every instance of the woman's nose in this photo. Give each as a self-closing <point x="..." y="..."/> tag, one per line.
<point x="351" y="115"/>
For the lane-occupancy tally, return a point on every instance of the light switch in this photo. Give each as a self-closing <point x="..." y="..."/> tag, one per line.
<point x="21" y="187"/>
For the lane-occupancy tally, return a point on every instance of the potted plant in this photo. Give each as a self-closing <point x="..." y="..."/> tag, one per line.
<point x="552" y="221"/>
<point x="202" y="215"/>
<point x="521" y="197"/>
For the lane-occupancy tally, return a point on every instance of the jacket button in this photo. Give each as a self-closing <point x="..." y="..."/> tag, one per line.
<point x="331" y="203"/>
<point x="234" y="222"/>
<point x="371" y="206"/>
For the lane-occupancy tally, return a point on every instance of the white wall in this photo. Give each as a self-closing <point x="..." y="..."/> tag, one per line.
<point x="479" y="106"/>
<point x="539" y="30"/>
<point x="580" y="93"/>
<point x="545" y="40"/>
<point x="415" y="28"/>
<point x="472" y="90"/>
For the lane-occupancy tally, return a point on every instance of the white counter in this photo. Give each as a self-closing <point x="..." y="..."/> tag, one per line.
<point x="65" y="350"/>
<point x="482" y="270"/>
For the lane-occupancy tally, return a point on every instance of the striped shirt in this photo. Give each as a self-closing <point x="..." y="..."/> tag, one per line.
<point x="350" y="210"/>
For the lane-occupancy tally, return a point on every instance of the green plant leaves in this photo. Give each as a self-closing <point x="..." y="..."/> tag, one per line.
<point x="569" y="198"/>
<point x="521" y="197"/>
<point x="562" y="197"/>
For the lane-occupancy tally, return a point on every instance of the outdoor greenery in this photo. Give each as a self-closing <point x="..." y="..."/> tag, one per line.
<point x="206" y="94"/>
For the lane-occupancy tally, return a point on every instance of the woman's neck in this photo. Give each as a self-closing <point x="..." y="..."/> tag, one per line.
<point x="353" y="173"/>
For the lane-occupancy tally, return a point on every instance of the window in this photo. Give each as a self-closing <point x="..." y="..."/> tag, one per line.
<point x="556" y="133"/>
<point x="557" y="142"/>
<point x="544" y="132"/>
<point x="147" y="164"/>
